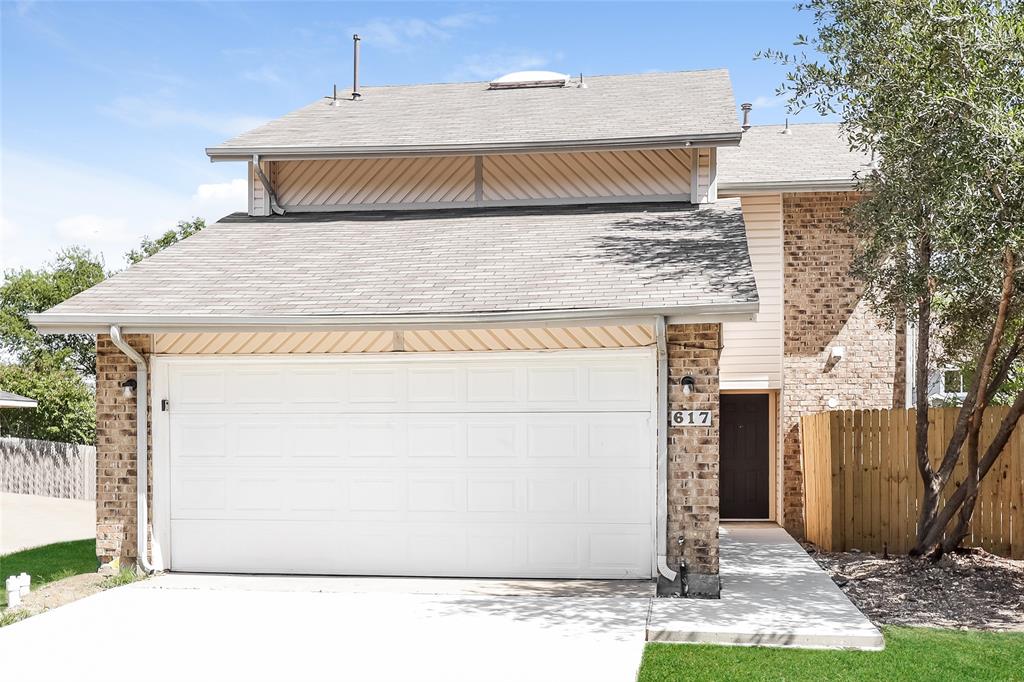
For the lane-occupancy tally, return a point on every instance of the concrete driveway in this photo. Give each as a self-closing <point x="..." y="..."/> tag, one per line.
<point x="33" y="520"/>
<point x="182" y="627"/>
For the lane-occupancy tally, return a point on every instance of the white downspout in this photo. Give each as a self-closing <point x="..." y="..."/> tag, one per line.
<point x="662" y="430"/>
<point x="141" y="447"/>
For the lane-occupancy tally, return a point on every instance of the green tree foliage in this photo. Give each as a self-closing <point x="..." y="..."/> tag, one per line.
<point x="934" y="89"/>
<point x="25" y="291"/>
<point x="185" y="229"/>
<point x="66" y="410"/>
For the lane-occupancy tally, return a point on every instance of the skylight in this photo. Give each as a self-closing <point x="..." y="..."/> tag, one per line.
<point x="529" y="79"/>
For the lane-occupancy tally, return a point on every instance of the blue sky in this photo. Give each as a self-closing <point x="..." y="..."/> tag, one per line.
<point x="107" y="107"/>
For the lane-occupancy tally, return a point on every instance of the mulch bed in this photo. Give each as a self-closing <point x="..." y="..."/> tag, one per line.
<point x="971" y="589"/>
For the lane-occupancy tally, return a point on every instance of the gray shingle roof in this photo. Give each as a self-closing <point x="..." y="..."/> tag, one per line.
<point x="441" y="262"/>
<point x="461" y="116"/>
<point x="811" y="153"/>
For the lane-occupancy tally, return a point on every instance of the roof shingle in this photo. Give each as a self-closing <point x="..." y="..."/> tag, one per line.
<point x="465" y="115"/>
<point x="440" y="262"/>
<point x="810" y="153"/>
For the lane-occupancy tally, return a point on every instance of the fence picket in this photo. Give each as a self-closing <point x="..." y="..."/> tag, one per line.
<point x="41" y="467"/>
<point x="864" y="490"/>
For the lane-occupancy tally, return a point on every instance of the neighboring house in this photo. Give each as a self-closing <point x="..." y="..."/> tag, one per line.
<point x="13" y="400"/>
<point x="447" y="337"/>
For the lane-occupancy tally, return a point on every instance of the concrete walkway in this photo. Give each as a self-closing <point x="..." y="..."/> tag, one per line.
<point x="32" y="520"/>
<point x="773" y="594"/>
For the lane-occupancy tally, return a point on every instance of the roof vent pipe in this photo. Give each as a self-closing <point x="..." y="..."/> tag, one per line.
<point x="786" y="130"/>
<point x="355" y="67"/>
<point x="746" y="107"/>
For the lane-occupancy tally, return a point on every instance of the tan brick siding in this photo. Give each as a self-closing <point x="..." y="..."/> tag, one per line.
<point x="115" y="451"/>
<point x="693" y="349"/>
<point x="823" y="308"/>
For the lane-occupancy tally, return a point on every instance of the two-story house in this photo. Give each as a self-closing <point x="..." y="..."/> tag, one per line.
<point x="539" y="327"/>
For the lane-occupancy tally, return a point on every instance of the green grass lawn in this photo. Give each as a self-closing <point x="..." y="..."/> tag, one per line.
<point x="911" y="654"/>
<point x="48" y="563"/>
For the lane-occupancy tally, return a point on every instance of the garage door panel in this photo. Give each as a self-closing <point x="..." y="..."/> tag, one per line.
<point x="255" y="386"/>
<point x="411" y="549"/>
<point x="257" y="494"/>
<point x="504" y="467"/>
<point x="314" y="387"/>
<point x="431" y="387"/>
<point x="260" y="440"/>
<point x="377" y="385"/>
<point x="311" y="440"/>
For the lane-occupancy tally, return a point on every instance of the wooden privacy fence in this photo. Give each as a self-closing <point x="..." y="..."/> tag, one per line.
<point x="862" y="488"/>
<point x="42" y="467"/>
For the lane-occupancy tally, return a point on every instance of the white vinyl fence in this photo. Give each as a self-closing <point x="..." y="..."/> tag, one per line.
<point x="42" y="467"/>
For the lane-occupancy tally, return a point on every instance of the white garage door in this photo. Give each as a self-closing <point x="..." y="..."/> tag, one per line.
<point x="501" y="465"/>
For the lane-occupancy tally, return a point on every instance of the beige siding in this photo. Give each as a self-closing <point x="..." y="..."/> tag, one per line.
<point x="259" y="202"/>
<point x="359" y="182"/>
<point x="752" y="357"/>
<point x="336" y="184"/>
<point x="705" y="186"/>
<point x="592" y="175"/>
<point x="540" y="338"/>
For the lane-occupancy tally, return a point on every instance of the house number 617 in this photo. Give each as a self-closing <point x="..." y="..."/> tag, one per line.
<point x="691" y="418"/>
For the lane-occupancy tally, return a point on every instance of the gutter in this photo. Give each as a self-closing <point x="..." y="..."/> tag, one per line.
<point x="93" y="323"/>
<point x="662" y="429"/>
<point x="141" y="447"/>
<point x="283" y="153"/>
<point x="833" y="184"/>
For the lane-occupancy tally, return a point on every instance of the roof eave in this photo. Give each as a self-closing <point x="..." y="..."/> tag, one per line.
<point x="726" y="188"/>
<point x="17" y="404"/>
<point x="285" y="153"/>
<point x="70" y="323"/>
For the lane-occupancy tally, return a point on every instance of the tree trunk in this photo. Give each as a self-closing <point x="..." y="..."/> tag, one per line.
<point x="930" y="502"/>
<point x="930" y="533"/>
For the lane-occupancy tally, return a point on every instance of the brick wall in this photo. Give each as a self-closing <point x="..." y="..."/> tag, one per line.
<point x="822" y="308"/>
<point x="115" y="451"/>
<point x="694" y="349"/>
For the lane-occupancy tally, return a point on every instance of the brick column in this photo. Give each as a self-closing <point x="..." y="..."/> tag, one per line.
<point x="115" y="452"/>
<point x="694" y="349"/>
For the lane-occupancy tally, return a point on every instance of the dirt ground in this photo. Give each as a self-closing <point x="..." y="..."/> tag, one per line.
<point x="970" y="590"/>
<point x="62" y="592"/>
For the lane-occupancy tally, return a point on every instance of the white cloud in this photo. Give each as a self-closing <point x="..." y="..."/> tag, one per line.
<point x="220" y="198"/>
<point x="232" y="190"/>
<point x="155" y="112"/>
<point x="88" y="227"/>
<point x="264" y="74"/>
<point x="405" y="34"/>
<point x="50" y="204"/>
<point x="763" y="102"/>
<point x="493" y="64"/>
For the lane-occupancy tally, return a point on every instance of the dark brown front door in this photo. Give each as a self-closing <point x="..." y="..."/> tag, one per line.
<point x="744" y="452"/>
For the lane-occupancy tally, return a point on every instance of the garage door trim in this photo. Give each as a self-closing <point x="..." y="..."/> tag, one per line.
<point x="160" y="366"/>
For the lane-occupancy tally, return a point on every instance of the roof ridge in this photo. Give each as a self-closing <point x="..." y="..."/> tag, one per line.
<point x="568" y="73"/>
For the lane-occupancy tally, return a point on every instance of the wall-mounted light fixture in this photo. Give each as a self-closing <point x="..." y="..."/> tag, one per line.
<point x="688" y="383"/>
<point x="836" y="353"/>
<point x="128" y="387"/>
